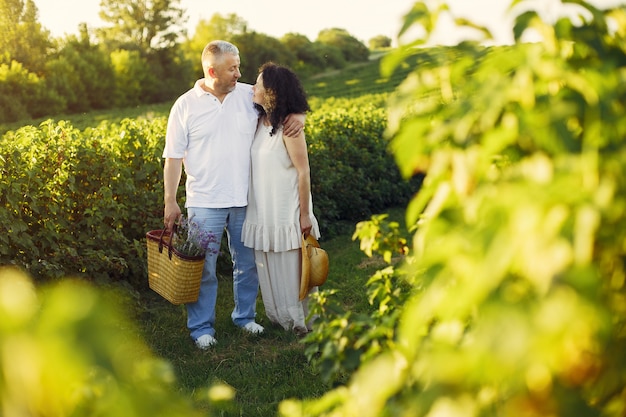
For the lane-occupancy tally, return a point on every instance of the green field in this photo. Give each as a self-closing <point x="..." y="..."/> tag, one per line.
<point x="267" y="369"/>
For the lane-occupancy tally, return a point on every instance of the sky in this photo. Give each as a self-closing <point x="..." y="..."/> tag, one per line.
<point x="363" y="19"/>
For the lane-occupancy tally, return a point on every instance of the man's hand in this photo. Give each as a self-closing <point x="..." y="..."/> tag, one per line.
<point x="172" y="172"/>
<point x="171" y="215"/>
<point x="293" y="124"/>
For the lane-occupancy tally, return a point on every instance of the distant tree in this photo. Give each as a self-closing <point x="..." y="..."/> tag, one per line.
<point x="13" y="79"/>
<point x="82" y="73"/>
<point x="309" y="58"/>
<point x="218" y="27"/>
<point x="297" y="43"/>
<point x="380" y="42"/>
<point x="332" y="56"/>
<point x="141" y="25"/>
<point x="65" y="79"/>
<point x="352" y="49"/>
<point x="22" y="38"/>
<point x="132" y="74"/>
<point x="24" y="94"/>
<point x="170" y="75"/>
<point x="256" y="49"/>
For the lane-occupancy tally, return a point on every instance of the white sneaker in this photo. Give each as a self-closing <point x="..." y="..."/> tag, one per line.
<point x="205" y="341"/>
<point x="253" y="328"/>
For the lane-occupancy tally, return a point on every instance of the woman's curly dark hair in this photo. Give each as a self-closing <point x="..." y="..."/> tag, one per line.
<point x="284" y="94"/>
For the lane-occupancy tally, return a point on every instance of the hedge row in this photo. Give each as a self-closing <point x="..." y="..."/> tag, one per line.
<point x="80" y="202"/>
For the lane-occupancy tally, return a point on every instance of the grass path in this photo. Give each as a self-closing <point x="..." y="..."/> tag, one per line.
<point x="263" y="370"/>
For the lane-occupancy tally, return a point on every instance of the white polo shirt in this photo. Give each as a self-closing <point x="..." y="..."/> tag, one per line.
<point x="214" y="140"/>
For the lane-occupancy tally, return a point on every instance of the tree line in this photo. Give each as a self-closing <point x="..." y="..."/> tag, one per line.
<point x="143" y="55"/>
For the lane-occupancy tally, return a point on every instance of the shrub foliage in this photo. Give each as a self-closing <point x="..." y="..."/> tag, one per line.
<point x="71" y="350"/>
<point x="516" y="298"/>
<point x="80" y="202"/>
<point x="510" y="299"/>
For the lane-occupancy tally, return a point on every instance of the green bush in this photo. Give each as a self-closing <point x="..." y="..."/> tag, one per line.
<point x="80" y="202"/>
<point x="344" y="339"/>
<point x="71" y="350"/>
<point x="351" y="48"/>
<point x="132" y="76"/>
<point x="25" y="94"/>
<point x="517" y="282"/>
<point x="353" y="175"/>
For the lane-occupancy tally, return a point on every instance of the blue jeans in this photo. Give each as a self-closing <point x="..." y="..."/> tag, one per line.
<point x="201" y="314"/>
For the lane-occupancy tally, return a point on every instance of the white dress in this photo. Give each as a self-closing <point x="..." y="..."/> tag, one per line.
<point x="272" y="228"/>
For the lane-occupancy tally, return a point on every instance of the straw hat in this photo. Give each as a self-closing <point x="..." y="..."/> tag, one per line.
<point x="314" y="265"/>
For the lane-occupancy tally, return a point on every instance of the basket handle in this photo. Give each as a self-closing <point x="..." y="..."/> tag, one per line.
<point x="169" y="244"/>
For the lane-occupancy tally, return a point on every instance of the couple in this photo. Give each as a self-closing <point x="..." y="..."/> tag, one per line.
<point x="247" y="167"/>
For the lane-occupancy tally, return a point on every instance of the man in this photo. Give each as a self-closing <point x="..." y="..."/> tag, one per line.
<point x="210" y="130"/>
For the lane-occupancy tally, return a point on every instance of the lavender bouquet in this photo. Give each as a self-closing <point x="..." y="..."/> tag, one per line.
<point x="190" y="240"/>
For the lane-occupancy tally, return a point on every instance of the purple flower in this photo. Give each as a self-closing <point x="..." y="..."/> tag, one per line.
<point x="191" y="240"/>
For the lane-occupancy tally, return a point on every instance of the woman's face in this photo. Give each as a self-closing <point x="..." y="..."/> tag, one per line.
<point x="259" y="91"/>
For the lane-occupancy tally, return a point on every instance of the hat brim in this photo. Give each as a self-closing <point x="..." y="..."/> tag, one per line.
<point x="305" y="276"/>
<point x="318" y="269"/>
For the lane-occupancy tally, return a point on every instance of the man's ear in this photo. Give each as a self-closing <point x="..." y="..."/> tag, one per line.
<point x="211" y="71"/>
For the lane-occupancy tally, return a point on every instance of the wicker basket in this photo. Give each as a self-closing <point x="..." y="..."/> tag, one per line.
<point x="174" y="276"/>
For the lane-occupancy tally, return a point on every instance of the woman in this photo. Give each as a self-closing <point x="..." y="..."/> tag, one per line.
<point x="280" y="207"/>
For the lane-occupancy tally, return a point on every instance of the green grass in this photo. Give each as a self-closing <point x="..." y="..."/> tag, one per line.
<point x="354" y="81"/>
<point x="263" y="370"/>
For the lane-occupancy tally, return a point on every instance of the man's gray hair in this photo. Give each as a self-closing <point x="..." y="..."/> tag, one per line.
<point x="218" y="48"/>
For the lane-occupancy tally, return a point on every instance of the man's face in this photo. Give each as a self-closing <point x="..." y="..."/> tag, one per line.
<point x="226" y="73"/>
